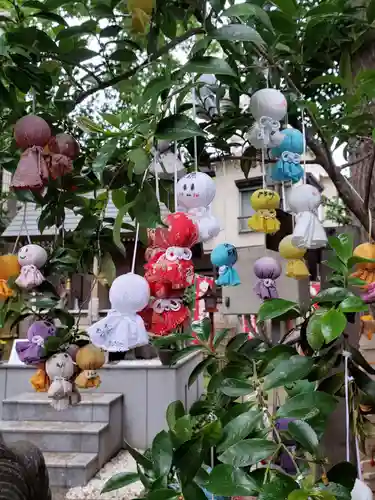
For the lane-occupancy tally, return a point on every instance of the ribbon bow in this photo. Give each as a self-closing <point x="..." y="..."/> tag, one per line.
<point x="223" y="270"/>
<point x="267" y="126"/>
<point x="38" y="340"/>
<point x="166" y="305"/>
<point x="289" y="157"/>
<point x="267" y="214"/>
<point x="178" y="253"/>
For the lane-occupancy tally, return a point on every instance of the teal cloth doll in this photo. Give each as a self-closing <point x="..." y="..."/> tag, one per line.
<point x="288" y="153"/>
<point x="224" y="256"/>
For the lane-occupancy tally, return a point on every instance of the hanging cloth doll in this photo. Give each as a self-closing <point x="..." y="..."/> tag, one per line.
<point x="32" y="352"/>
<point x="165" y="315"/>
<point x="174" y="265"/>
<point x="89" y="359"/>
<point x="9" y="267"/>
<point x="40" y="380"/>
<point x="295" y="267"/>
<point x="195" y="193"/>
<point x="308" y="232"/>
<point x="264" y="202"/>
<point x="224" y="256"/>
<point x="165" y="161"/>
<point x="267" y="270"/>
<point x="268" y="107"/>
<point x="365" y="270"/>
<point x="31" y="258"/>
<point x="60" y="370"/>
<point x="62" y="149"/>
<point x="123" y="329"/>
<point x="31" y="134"/>
<point x="205" y="97"/>
<point x="288" y="166"/>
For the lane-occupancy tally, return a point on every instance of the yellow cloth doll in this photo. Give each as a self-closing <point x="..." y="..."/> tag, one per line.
<point x="296" y="267"/>
<point x="40" y="381"/>
<point x="9" y="267"/>
<point x="264" y="202"/>
<point x="89" y="359"/>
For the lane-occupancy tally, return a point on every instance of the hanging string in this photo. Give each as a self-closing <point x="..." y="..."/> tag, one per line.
<point x="224" y="200"/>
<point x="33" y="104"/>
<point x="347" y="415"/>
<point x="304" y="145"/>
<point x="175" y="177"/>
<point x="157" y="187"/>
<point x="369" y="225"/>
<point x="193" y="96"/>
<point x="134" y="258"/>
<point x="212" y="466"/>
<point x="283" y="195"/>
<point x="22" y="226"/>
<point x="263" y="171"/>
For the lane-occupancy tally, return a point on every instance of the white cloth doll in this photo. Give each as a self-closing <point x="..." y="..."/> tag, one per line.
<point x="268" y="107"/>
<point x="165" y="162"/>
<point x="195" y="193"/>
<point x="361" y="491"/>
<point x="60" y="370"/>
<point x="308" y="232"/>
<point x="31" y="258"/>
<point x="123" y="329"/>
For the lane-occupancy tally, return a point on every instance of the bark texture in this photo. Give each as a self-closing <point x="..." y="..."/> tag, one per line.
<point x="23" y="473"/>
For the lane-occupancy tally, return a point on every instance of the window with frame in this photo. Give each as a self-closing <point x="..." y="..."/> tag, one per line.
<point x="246" y="188"/>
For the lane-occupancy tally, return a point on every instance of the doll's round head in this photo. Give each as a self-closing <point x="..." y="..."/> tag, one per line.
<point x="268" y="102"/>
<point x="304" y="198"/>
<point x="288" y="250"/>
<point x="224" y="254"/>
<point x="32" y="255"/>
<point x="41" y="330"/>
<point x="195" y="190"/>
<point x="265" y="199"/>
<point x="292" y="142"/>
<point x="60" y="365"/>
<point x="129" y="293"/>
<point x="267" y="268"/>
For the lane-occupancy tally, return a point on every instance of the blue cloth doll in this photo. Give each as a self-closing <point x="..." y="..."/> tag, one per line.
<point x="288" y="166"/>
<point x="225" y="256"/>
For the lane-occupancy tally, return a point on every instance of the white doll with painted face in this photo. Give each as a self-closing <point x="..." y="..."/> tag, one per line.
<point x="60" y="370"/>
<point x="31" y="258"/>
<point x="195" y="193"/>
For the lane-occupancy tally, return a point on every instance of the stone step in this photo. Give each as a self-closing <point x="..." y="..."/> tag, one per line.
<point x="67" y="470"/>
<point x="94" y="407"/>
<point x="84" y="437"/>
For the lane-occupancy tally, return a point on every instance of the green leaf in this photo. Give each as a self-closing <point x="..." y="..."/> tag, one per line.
<point x="212" y="433"/>
<point x="247" y="10"/>
<point x="116" y="234"/>
<point x="333" y="324"/>
<point x="248" y="452"/>
<point x="123" y="55"/>
<point x="50" y="16"/>
<point x="156" y="86"/>
<point x="229" y="481"/>
<point x="342" y="245"/>
<point x="175" y="411"/>
<point x="238" y="33"/>
<point x="108" y="268"/>
<point x="177" y="127"/>
<point x="334" y="492"/>
<point x="314" y="333"/>
<point x="274" y="308"/>
<point x="305" y="435"/>
<point x="120" y="480"/>
<point x="184" y="352"/>
<point x="110" y="31"/>
<point x="333" y="295"/>
<point x="162" y="494"/>
<point x="140" y="159"/>
<point x="359" y="260"/>
<point x="353" y="304"/>
<point x="332" y="384"/>
<point x="208" y="64"/>
<point x="200" y="368"/>
<point x="346" y="68"/>
<point x="192" y="491"/>
<point x="279" y="487"/>
<point x="299" y="495"/>
<point x="183" y="429"/>
<point x="140" y="458"/>
<point x="83" y="29"/>
<point x="287" y="371"/>
<point x="303" y="404"/>
<point x="289" y="7"/>
<point x="219" y="336"/>
<point x="104" y="155"/>
<point x="235" y="387"/>
<point x="118" y="198"/>
<point x="360" y="360"/>
<point x="371" y="11"/>
<point x="112" y="119"/>
<point x="78" y="55"/>
<point x="343" y="473"/>
<point x="162" y="453"/>
<point x="239" y="428"/>
<point x="88" y="125"/>
<point x="362" y="380"/>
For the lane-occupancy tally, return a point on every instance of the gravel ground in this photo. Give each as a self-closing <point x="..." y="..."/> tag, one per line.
<point x="123" y="462"/>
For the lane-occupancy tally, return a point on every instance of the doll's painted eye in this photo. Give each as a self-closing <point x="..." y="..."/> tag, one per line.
<point x="192" y="187"/>
<point x="65" y="355"/>
<point x="26" y="249"/>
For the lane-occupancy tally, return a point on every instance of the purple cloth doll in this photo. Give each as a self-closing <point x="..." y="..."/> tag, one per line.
<point x="32" y="351"/>
<point x="285" y="461"/>
<point x="267" y="270"/>
<point x="369" y="295"/>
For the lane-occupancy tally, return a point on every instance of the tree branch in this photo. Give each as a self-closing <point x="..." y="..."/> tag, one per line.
<point x="369" y="179"/>
<point x="131" y="72"/>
